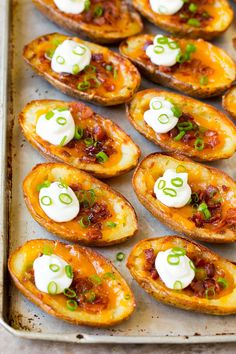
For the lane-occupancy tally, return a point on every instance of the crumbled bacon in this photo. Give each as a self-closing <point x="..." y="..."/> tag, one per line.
<point x="150" y="263"/>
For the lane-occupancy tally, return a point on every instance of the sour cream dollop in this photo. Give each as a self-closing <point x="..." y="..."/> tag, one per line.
<point x="50" y="274"/>
<point x="74" y="7"/>
<point x="172" y="189"/>
<point x="70" y="57"/>
<point x="164" y="7"/>
<point x="163" y="51"/>
<point x="56" y="126"/>
<point x="177" y="275"/>
<point x="59" y="202"/>
<point x="160" y="116"/>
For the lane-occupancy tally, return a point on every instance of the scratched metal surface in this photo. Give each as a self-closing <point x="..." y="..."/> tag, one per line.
<point x="152" y="322"/>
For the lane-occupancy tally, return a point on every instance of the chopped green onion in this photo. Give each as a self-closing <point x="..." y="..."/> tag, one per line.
<point x="69" y="271"/>
<point x="200" y="274"/>
<point x="163" y="40"/>
<point x="62" y="109"/>
<point x="89" y="296"/>
<point x="49" y="115"/>
<point x="179" y="251"/>
<point x="87" y="198"/>
<point x="176" y="111"/>
<point x="177" y="182"/>
<point x="47" y="251"/>
<point x="96" y="279"/>
<point x="199" y="144"/>
<point x="210" y="293"/>
<point x="158" y="49"/>
<point x="45" y="184"/>
<point x="85" y="222"/>
<point x="71" y="305"/>
<point x="204" y="80"/>
<point x="65" y="198"/>
<point x="180" y="58"/>
<point x="179" y="136"/>
<point x="193" y="22"/>
<point x="102" y="156"/>
<point x="204" y="209"/>
<point x="60" y="60"/>
<point x="222" y="282"/>
<point x="156" y="105"/>
<point x="69" y="292"/>
<point x="178" y="285"/>
<point x="115" y="73"/>
<point x="170" y="191"/>
<point x="109" y="275"/>
<point x="83" y="86"/>
<point x="90" y="68"/>
<point x="111" y="224"/>
<point x="75" y="69"/>
<point x="192" y="266"/>
<point x="88" y="142"/>
<point x="62" y="184"/>
<point x="49" y="53"/>
<point x="52" y="288"/>
<point x="61" y="120"/>
<point x="185" y="126"/>
<point x="190" y="48"/>
<point x="195" y="197"/>
<point x="54" y="267"/>
<point x="163" y="119"/>
<point x="98" y="11"/>
<point x="46" y="200"/>
<point x="173" y="259"/>
<point x="87" y="5"/>
<point x="173" y="45"/>
<point x="56" y="42"/>
<point x="120" y="256"/>
<point x="109" y="67"/>
<point x="78" y="133"/>
<point x="161" y="184"/>
<point x="95" y="82"/>
<point x="127" y="297"/>
<point x="74" y="51"/>
<point x="180" y="169"/>
<point x="63" y="140"/>
<point x="193" y="7"/>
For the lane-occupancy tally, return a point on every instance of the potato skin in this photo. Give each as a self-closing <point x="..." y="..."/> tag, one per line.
<point x="224" y="306"/>
<point x="201" y="176"/>
<point x="20" y="260"/>
<point x="127" y="161"/>
<point x="97" y="33"/>
<point x="223" y="12"/>
<point x="229" y="101"/>
<point x="224" y="75"/>
<point x="125" y="219"/>
<point x="212" y="117"/>
<point x="128" y="81"/>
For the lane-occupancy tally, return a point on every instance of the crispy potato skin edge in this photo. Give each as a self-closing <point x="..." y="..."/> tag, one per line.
<point x="226" y="107"/>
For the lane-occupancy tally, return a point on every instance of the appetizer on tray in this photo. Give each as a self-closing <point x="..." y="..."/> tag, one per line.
<point x="195" y="67"/>
<point x="195" y="19"/>
<point x="82" y="69"/>
<point x="184" y="274"/>
<point x="102" y="21"/>
<point x="229" y="101"/>
<point x="77" y="207"/>
<point x="183" y="125"/>
<point x="73" y="133"/>
<point x="72" y="283"/>
<point x="196" y="200"/>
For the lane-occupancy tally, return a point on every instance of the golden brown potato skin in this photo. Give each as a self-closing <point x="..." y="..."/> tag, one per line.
<point x="224" y="305"/>
<point x="126" y="84"/>
<point x="229" y="101"/>
<point x="130" y="23"/>
<point x="123" y="160"/>
<point x="55" y="305"/>
<point x="199" y="177"/>
<point x="206" y="115"/>
<point x="125" y="219"/>
<point x="220" y="80"/>
<point x="221" y="12"/>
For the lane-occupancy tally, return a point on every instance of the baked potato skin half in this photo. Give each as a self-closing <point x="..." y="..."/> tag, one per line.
<point x="126" y="152"/>
<point x="199" y="177"/>
<point x="220" y="11"/>
<point x="127" y="25"/>
<point x="118" y="308"/>
<point x="221" y="78"/>
<point x="223" y="305"/>
<point x="229" y="101"/>
<point x="125" y="85"/>
<point x="120" y="210"/>
<point x="203" y="114"/>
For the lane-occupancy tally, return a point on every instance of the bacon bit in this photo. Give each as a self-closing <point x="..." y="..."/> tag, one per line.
<point x="76" y="187"/>
<point x="79" y="109"/>
<point x="98" y="212"/>
<point x="99" y="133"/>
<point x="165" y="69"/>
<point x="224" y="188"/>
<point x="234" y="43"/>
<point x="94" y="234"/>
<point x="210" y="270"/>
<point x="150" y="263"/>
<point x="231" y="217"/>
<point x="195" y="67"/>
<point x="98" y="57"/>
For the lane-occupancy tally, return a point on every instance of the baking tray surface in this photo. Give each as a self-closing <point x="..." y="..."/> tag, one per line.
<point x="152" y="322"/>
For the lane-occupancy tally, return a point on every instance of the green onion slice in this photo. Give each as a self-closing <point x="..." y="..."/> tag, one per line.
<point x="63" y="140"/>
<point x="69" y="271"/>
<point x="69" y="293"/>
<point x="192" y="266"/>
<point x="109" y="275"/>
<point x="65" y="198"/>
<point x="163" y="119"/>
<point x="61" y="120"/>
<point x="62" y="109"/>
<point x="47" y="251"/>
<point x="60" y="60"/>
<point x="170" y="191"/>
<point x="46" y="200"/>
<point x="54" y="268"/>
<point x="163" y="40"/>
<point x="161" y="184"/>
<point x="115" y="73"/>
<point x="178" y="251"/>
<point x="179" y="136"/>
<point x="185" y="126"/>
<point x="96" y="279"/>
<point x="45" y="184"/>
<point x="83" y="50"/>
<point x="111" y="224"/>
<point x="180" y="169"/>
<point x="120" y="256"/>
<point x="127" y="297"/>
<point x="176" y="111"/>
<point x="178" y="285"/>
<point x="156" y="105"/>
<point x="89" y="295"/>
<point x="75" y="69"/>
<point x="49" y="115"/>
<point x="222" y="282"/>
<point x="210" y="293"/>
<point x="158" y="49"/>
<point x="102" y="156"/>
<point x="52" y="288"/>
<point x="177" y="182"/>
<point x="83" y="86"/>
<point x="98" y="11"/>
<point x="71" y="305"/>
<point x="173" y="45"/>
<point x="62" y="184"/>
<point x="85" y="222"/>
<point x="173" y="259"/>
<point x="78" y="133"/>
<point x="87" y="5"/>
<point x="88" y="142"/>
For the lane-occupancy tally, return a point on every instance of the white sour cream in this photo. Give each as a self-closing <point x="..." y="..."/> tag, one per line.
<point x="161" y="53"/>
<point x="164" y="7"/>
<point x="56" y="126"/>
<point x="174" y="276"/>
<point x="50" y="274"/>
<point x="173" y="189"/>
<point x="74" y="7"/>
<point x="70" y="57"/>
<point x="59" y="202"/>
<point x="160" y="116"/>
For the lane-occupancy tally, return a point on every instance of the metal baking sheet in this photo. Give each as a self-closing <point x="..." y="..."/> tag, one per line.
<point x="152" y="322"/>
